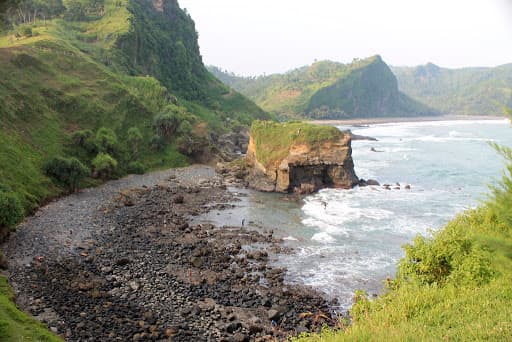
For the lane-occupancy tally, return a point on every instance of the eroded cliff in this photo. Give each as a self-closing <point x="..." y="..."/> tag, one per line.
<point x="299" y="157"/>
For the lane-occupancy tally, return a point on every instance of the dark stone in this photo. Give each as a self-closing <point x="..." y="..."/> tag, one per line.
<point x="179" y="199"/>
<point x="233" y="326"/>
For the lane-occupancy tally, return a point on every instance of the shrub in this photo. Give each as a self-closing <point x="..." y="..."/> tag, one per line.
<point x="106" y="140"/>
<point x="11" y="210"/>
<point x="136" y="168"/>
<point x="84" y="139"/>
<point x="166" y="124"/>
<point x="26" y="31"/>
<point x="156" y="143"/>
<point x="104" y="166"/>
<point x="67" y="171"/>
<point x="134" y="139"/>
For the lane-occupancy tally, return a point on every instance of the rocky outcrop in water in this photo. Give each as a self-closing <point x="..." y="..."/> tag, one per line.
<point x="299" y="157"/>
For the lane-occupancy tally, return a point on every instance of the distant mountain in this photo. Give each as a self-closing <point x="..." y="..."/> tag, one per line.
<point x="466" y="91"/>
<point x="329" y="90"/>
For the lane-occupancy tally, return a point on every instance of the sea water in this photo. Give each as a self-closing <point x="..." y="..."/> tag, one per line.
<point x="344" y="240"/>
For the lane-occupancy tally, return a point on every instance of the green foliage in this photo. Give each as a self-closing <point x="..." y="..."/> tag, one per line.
<point x="66" y="171"/>
<point x="11" y="210"/>
<point x="136" y="168"/>
<point x="106" y="140"/>
<point x="15" y="325"/>
<point x="134" y="139"/>
<point x="26" y="31"/>
<point x="166" y="124"/>
<point x="157" y="143"/>
<point x="466" y="91"/>
<point x="273" y="140"/>
<point x="104" y="166"/>
<point x="85" y="140"/>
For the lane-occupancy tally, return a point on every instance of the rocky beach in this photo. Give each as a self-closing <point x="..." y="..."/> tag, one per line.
<point x="123" y="262"/>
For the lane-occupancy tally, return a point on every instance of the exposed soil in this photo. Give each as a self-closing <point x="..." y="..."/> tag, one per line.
<point x="123" y="262"/>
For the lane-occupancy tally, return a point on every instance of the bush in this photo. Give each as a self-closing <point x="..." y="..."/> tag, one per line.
<point x="85" y="139"/>
<point x="156" y="143"/>
<point x="104" y="166"/>
<point x="106" y="140"/>
<point x="26" y="31"/>
<point x="166" y="124"/>
<point x="134" y="140"/>
<point x="136" y="168"/>
<point x="67" y="171"/>
<point x="11" y="210"/>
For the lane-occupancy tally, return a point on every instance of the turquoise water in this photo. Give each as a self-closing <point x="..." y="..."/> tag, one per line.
<point x="354" y="242"/>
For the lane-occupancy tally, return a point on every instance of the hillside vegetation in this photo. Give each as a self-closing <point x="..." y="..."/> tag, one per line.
<point x="466" y="91"/>
<point x="329" y="90"/>
<point x="117" y="84"/>
<point x="455" y="285"/>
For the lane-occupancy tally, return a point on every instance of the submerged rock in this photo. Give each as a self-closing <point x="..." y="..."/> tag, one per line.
<point x="299" y="157"/>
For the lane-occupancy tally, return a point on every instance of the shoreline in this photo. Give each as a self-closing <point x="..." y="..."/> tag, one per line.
<point x="388" y="120"/>
<point x="125" y="261"/>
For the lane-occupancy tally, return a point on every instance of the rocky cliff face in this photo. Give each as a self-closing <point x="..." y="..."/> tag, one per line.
<point x="305" y="164"/>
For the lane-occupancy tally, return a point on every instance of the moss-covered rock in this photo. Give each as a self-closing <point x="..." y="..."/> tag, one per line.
<point x="299" y="157"/>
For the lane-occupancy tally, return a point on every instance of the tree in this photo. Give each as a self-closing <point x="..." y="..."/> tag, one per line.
<point x="104" y="166"/>
<point x="106" y="140"/>
<point x="134" y="139"/>
<point x="67" y="171"/>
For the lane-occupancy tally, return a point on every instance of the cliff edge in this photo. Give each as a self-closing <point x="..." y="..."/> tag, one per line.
<point x="299" y="157"/>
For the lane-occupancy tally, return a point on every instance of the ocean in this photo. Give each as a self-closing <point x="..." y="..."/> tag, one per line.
<point x="345" y="240"/>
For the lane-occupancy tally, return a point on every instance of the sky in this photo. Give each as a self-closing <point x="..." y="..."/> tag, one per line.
<point x="271" y="36"/>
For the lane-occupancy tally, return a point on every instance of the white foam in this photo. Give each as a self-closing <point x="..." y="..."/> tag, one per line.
<point x="290" y="238"/>
<point x="323" y="238"/>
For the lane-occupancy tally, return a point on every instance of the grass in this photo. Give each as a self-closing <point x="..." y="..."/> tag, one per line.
<point x="273" y="140"/>
<point x="15" y="325"/>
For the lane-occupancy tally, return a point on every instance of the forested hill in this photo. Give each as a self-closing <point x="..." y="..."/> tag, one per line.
<point x="94" y="89"/>
<point x="329" y="90"/>
<point x="467" y="91"/>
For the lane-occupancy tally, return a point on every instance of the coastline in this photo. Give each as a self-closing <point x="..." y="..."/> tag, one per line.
<point x="125" y="261"/>
<point x="387" y="120"/>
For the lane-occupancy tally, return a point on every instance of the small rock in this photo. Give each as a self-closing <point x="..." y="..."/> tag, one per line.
<point x="134" y="285"/>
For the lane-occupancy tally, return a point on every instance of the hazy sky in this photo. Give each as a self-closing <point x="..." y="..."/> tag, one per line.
<point x="268" y="36"/>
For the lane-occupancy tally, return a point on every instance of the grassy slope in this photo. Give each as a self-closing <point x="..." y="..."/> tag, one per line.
<point x="16" y="325"/>
<point x="456" y="285"/>
<point x="340" y="87"/>
<point x="473" y="91"/>
<point x="67" y="78"/>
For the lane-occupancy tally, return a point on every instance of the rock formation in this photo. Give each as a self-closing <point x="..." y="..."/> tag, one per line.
<point x="299" y="157"/>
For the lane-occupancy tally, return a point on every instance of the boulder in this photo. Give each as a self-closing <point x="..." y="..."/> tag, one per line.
<point x="299" y="157"/>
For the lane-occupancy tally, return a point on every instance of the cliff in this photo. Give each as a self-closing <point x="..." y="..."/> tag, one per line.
<point x="368" y="89"/>
<point x="299" y="157"/>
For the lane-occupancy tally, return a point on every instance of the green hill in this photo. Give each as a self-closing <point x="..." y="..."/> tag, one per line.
<point x="329" y="90"/>
<point x="131" y="67"/>
<point x="466" y="91"/>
